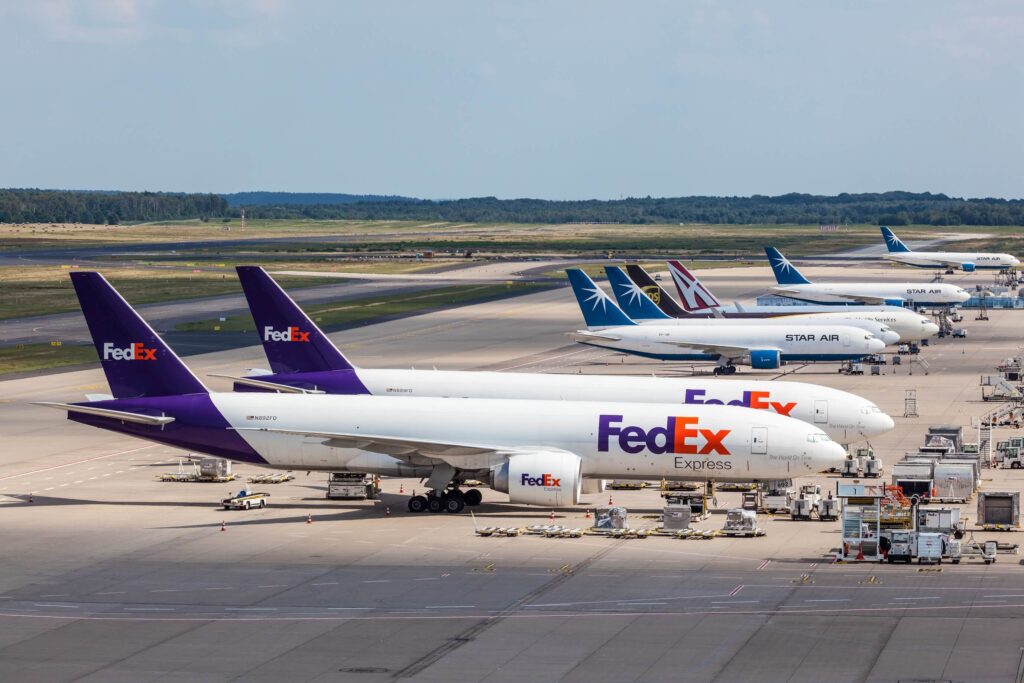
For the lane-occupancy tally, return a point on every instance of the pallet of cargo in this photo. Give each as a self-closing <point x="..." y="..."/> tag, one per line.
<point x="274" y="478"/>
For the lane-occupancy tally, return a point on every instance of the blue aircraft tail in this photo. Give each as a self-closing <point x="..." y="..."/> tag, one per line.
<point x="598" y="310"/>
<point x="785" y="272"/>
<point x="632" y="299"/>
<point x="894" y="243"/>
<point x="135" y="359"/>
<point x="292" y="342"/>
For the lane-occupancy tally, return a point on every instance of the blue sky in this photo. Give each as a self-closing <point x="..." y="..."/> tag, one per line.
<point x="571" y="99"/>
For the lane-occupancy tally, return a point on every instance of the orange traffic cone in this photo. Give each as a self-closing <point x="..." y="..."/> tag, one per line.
<point x="587" y="516"/>
<point x="223" y="526"/>
<point x="401" y="488"/>
<point x="309" y="518"/>
<point x="552" y="516"/>
<point x="610" y="500"/>
<point x="860" y="551"/>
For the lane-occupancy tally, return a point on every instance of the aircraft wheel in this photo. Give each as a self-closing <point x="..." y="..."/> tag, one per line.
<point x="417" y="504"/>
<point x="454" y="504"/>
<point x="434" y="504"/>
<point x="473" y="497"/>
<point x="731" y="370"/>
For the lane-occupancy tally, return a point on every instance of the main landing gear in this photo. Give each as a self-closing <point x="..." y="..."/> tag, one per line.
<point x="725" y="369"/>
<point x="452" y="500"/>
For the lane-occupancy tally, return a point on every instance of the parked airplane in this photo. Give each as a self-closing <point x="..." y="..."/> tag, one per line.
<point x="757" y="345"/>
<point x="965" y="261"/>
<point x="793" y="285"/>
<point x="635" y="303"/>
<point x="698" y="301"/>
<point x="536" y="451"/>
<point x="303" y="359"/>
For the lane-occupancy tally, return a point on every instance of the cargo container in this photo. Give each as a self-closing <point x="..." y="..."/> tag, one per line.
<point x="999" y="510"/>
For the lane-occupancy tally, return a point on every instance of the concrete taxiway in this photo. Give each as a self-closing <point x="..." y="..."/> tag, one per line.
<point x="111" y="575"/>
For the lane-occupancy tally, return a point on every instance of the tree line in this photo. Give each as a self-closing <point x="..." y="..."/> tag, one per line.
<point x="111" y="208"/>
<point x="887" y="208"/>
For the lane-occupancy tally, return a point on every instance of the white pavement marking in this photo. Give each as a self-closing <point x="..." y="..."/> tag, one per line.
<point x="77" y="462"/>
<point x="933" y="597"/>
<point x="43" y="604"/>
<point x="148" y="609"/>
<point x="829" y="600"/>
<point x="733" y="602"/>
<point x="449" y="606"/>
<point x="325" y="583"/>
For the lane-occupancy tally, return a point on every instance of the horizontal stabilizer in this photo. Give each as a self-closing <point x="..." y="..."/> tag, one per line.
<point x="269" y="386"/>
<point x="124" y="416"/>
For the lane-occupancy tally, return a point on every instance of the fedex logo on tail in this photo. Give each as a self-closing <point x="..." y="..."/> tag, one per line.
<point x="760" y="400"/>
<point x="289" y="334"/>
<point x="545" y="480"/>
<point x="679" y="435"/>
<point x="135" y="351"/>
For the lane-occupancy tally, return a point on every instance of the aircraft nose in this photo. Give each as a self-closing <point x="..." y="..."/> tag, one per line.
<point x="889" y="337"/>
<point x="829" y="455"/>
<point x="877" y="423"/>
<point x="964" y="295"/>
<point x="931" y="329"/>
<point x="875" y="344"/>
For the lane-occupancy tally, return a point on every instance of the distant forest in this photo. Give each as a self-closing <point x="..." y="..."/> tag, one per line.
<point x="111" y="208"/>
<point x="248" y="199"/>
<point x="887" y="208"/>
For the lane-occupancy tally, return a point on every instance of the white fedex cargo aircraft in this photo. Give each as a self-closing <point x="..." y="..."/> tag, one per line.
<point x="641" y="309"/>
<point x="697" y="300"/>
<point x="303" y="359"/>
<point x="538" y="452"/>
<point x="793" y="285"/>
<point x="757" y="345"/>
<point x="965" y="261"/>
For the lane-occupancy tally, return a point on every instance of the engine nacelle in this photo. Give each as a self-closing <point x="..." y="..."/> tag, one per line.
<point x="765" y="359"/>
<point x="967" y="267"/>
<point x="551" y="479"/>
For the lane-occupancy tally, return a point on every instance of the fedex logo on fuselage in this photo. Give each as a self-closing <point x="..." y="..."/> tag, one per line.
<point x="134" y="351"/>
<point x="679" y="435"/>
<point x="289" y="334"/>
<point x="545" y="480"/>
<point x="759" y="400"/>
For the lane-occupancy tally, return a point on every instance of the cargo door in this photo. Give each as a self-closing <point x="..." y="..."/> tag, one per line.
<point x="758" y="440"/>
<point x="821" y="412"/>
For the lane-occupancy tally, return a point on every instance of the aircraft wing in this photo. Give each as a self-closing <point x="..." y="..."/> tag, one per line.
<point x="717" y="349"/>
<point x="868" y="299"/>
<point x="460" y="454"/>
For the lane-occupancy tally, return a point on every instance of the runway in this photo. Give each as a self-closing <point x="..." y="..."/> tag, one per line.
<point x="111" y="575"/>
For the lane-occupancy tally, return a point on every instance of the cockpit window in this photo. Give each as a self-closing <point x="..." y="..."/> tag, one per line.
<point x="871" y="410"/>
<point x="817" y="438"/>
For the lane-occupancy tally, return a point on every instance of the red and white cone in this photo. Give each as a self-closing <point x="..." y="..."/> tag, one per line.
<point x="610" y="500"/>
<point x="401" y="488"/>
<point x="223" y="526"/>
<point x="387" y="512"/>
<point x="587" y="516"/>
<point x="309" y="518"/>
<point x="552" y="516"/>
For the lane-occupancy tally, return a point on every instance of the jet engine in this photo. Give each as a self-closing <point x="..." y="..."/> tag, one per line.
<point x="967" y="267"/>
<point x="548" y="478"/>
<point x="765" y="359"/>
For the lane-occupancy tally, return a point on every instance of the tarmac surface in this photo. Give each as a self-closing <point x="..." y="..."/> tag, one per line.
<point x="110" y="575"/>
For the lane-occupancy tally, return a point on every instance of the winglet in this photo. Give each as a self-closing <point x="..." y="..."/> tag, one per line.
<point x="632" y="299"/>
<point x="598" y="309"/>
<point x="785" y="272"/>
<point x="894" y="243"/>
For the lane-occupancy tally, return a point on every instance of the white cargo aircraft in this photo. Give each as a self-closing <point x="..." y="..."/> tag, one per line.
<point x="697" y="300"/>
<point x="757" y="345"/>
<point x="641" y="309"/>
<point x="950" y="260"/>
<point x="536" y="451"/>
<point x="303" y="359"/>
<point x="793" y="285"/>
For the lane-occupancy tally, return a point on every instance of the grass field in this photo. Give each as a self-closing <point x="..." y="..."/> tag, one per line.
<point x="596" y="270"/>
<point x="38" y="290"/>
<point x="29" y="357"/>
<point x="407" y="236"/>
<point x="355" y="311"/>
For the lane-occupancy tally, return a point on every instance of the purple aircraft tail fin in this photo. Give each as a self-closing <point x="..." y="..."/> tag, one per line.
<point x="135" y="359"/>
<point x="292" y="342"/>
